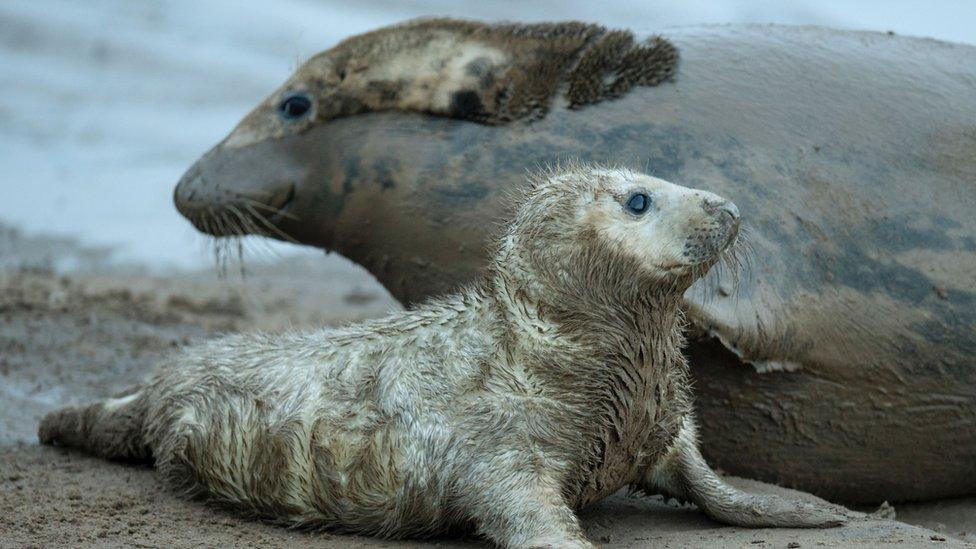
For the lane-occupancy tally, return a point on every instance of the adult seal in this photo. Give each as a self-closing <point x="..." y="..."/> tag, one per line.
<point x="846" y="356"/>
<point x="504" y="408"/>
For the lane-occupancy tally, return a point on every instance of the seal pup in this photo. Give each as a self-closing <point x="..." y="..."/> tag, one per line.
<point x="555" y="381"/>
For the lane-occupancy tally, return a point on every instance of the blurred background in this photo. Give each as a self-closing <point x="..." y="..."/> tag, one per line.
<point x="104" y="103"/>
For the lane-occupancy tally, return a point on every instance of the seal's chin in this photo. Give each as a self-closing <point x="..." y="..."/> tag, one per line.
<point x="695" y="266"/>
<point x="692" y="270"/>
<point x="704" y="248"/>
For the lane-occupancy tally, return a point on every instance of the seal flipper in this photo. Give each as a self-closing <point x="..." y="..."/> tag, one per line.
<point x="110" y="429"/>
<point x="684" y="473"/>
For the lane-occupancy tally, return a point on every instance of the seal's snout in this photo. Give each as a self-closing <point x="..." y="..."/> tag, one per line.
<point x="187" y="193"/>
<point x="725" y="215"/>
<point x="223" y="196"/>
<point x="713" y="233"/>
<point x="718" y="207"/>
<point x="730" y="209"/>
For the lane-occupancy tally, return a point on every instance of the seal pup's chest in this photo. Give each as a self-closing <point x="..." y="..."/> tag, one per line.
<point x="640" y="418"/>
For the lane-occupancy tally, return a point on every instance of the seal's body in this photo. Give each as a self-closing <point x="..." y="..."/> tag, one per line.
<point x="554" y="382"/>
<point x="854" y="152"/>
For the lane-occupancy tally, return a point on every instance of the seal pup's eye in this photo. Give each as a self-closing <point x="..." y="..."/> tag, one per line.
<point x="638" y="203"/>
<point x="295" y="106"/>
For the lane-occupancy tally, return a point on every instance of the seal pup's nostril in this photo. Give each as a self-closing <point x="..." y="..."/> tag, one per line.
<point x="724" y="206"/>
<point x="731" y="209"/>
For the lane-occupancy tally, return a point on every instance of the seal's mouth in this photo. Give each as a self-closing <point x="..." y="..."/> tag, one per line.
<point x="220" y="213"/>
<point x="231" y="217"/>
<point x="243" y="217"/>
<point x="709" y="245"/>
<point x="277" y="206"/>
<point x="709" y="242"/>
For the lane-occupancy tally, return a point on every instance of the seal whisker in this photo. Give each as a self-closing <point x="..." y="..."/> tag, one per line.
<point x="251" y="224"/>
<point x="271" y="226"/>
<point x="250" y="227"/>
<point x="224" y="225"/>
<point x="215" y="242"/>
<point x="244" y="228"/>
<point x="237" y="220"/>
<point x="272" y="209"/>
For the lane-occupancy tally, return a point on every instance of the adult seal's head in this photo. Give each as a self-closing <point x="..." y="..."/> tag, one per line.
<point x="267" y="176"/>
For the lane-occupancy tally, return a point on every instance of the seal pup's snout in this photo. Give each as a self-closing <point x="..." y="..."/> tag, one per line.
<point x="726" y="207"/>
<point x="670" y="230"/>
<point x="727" y="215"/>
<point x="712" y="234"/>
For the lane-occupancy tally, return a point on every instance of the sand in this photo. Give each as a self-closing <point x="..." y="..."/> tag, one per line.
<point x="70" y="339"/>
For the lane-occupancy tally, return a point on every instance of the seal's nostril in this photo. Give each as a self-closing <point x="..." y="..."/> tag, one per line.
<point x="730" y="208"/>
<point x="724" y="206"/>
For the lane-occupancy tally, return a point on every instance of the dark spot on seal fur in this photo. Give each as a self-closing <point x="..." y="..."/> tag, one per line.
<point x="466" y="104"/>
<point x="461" y="194"/>
<point x="478" y="67"/>
<point x="482" y="69"/>
<point x="384" y="91"/>
<point x="385" y="174"/>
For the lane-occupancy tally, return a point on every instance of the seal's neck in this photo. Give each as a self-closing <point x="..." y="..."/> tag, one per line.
<point x="586" y="328"/>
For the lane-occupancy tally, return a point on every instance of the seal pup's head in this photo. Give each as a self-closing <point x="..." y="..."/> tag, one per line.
<point x="594" y="227"/>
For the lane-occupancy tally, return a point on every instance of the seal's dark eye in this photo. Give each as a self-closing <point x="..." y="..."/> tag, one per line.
<point x="295" y="106"/>
<point x="638" y="203"/>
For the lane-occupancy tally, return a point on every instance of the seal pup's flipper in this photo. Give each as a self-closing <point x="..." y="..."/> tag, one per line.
<point x="524" y="507"/>
<point x="684" y="473"/>
<point x="109" y="429"/>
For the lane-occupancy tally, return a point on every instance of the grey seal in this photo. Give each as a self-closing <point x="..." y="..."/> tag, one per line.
<point x="854" y="152"/>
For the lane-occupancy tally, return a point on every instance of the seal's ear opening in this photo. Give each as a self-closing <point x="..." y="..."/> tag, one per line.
<point x="467" y="104"/>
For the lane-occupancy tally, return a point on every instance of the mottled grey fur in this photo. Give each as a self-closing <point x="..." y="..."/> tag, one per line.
<point x="504" y="408"/>
<point x="587" y="61"/>
<point x="487" y="73"/>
